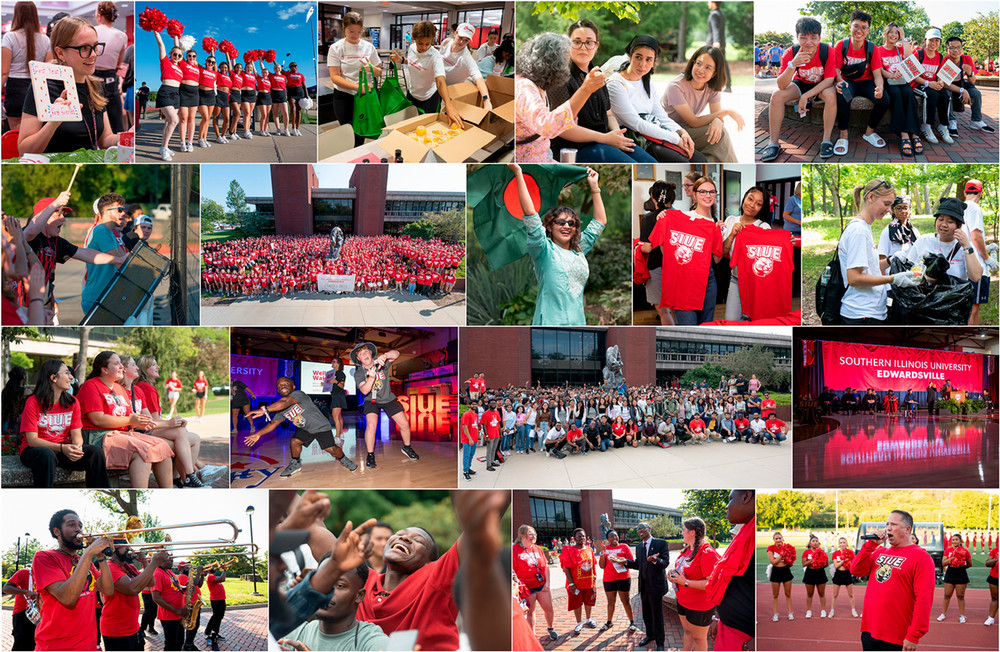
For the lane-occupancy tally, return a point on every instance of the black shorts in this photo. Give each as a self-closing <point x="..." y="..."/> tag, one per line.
<point x="695" y="617"/>
<point x="956" y="576"/>
<point x="249" y="97"/>
<point x="338" y="401"/>
<point x="781" y="574"/>
<point x="263" y="98"/>
<point x="991" y="580"/>
<point x="392" y="408"/>
<point x="239" y="400"/>
<point x="14" y="93"/>
<point x="815" y="576"/>
<point x="804" y="87"/>
<point x="624" y="584"/>
<point x="206" y="98"/>
<point x="325" y="439"/>
<point x="190" y="96"/>
<point x="168" y="96"/>
<point x="199" y="394"/>
<point x="296" y="92"/>
<point x="843" y="578"/>
<point x="982" y="294"/>
<point x="279" y="96"/>
<point x="234" y="96"/>
<point x="222" y="99"/>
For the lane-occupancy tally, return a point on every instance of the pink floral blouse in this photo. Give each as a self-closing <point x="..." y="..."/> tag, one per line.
<point x="533" y="116"/>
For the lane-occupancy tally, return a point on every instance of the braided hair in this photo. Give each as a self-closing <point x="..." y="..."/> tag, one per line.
<point x="696" y="525"/>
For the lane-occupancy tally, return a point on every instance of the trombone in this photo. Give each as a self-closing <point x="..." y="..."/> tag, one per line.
<point x="254" y="550"/>
<point x="129" y="533"/>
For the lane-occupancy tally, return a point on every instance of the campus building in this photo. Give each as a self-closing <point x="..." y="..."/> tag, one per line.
<point x="298" y="206"/>
<point x="577" y="355"/>
<point x="556" y="513"/>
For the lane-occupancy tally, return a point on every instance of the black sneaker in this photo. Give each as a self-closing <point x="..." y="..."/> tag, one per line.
<point x="471" y="472"/>
<point x="178" y="483"/>
<point x="370" y="461"/>
<point x="348" y="463"/>
<point x="490" y="468"/>
<point x="192" y="480"/>
<point x="468" y="478"/>
<point x="410" y="453"/>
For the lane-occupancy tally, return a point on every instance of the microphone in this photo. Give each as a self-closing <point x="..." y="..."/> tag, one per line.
<point x="870" y="537"/>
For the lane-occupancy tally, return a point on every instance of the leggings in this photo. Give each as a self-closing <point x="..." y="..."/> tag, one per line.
<point x="903" y="107"/>
<point x="218" y="611"/>
<point x="343" y="108"/>
<point x="148" y="613"/>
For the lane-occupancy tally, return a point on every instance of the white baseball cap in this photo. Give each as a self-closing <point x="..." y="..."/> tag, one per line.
<point x="933" y="32"/>
<point x="466" y="30"/>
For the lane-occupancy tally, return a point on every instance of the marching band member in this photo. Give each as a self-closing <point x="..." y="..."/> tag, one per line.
<point x="120" y="618"/>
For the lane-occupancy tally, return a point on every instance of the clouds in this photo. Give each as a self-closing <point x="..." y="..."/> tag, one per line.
<point x="253" y="29"/>
<point x="297" y="8"/>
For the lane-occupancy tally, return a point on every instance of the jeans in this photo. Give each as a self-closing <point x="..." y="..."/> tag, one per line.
<point x="411" y="288"/>
<point x="866" y="89"/>
<point x="505" y="441"/>
<point x="43" y="463"/>
<point x="605" y="442"/>
<point x="601" y="153"/>
<point x="543" y="428"/>
<point x="532" y="435"/>
<point x="977" y="100"/>
<point x="468" y="452"/>
<point x="521" y="438"/>
<point x="707" y="312"/>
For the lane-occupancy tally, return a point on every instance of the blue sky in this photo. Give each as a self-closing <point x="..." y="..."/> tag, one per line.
<point x="279" y="26"/>
<point x="256" y="179"/>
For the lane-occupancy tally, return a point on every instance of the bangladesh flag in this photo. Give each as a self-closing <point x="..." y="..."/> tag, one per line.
<point x="496" y="209"/>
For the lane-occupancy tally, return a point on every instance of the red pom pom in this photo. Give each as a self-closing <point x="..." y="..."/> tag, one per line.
<point x="248" y="56"/>
<point x="270" y="56"/>
<point x="209" y="44"/>
<point x="226" y="47"/>
<point x="152" y="20"/>
<point x="235" y="54"/>
<point x="175" y="29"/>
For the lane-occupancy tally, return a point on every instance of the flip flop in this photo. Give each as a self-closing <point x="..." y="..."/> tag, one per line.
<point x="905" y="148"/>
<point x="770" y="153"/>
<point x="874" y="140"/>
<point x="918" y="147"/>
<point x="840" y="148"/>
<point x="826" y="149"/>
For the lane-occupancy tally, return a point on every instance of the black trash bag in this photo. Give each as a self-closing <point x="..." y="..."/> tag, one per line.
<point x="946" y="302"/>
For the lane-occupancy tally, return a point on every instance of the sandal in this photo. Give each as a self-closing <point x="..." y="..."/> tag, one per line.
<point x="826" y="149"/>
<point x="840" y="148"/>
<point x="918" y="147"/>
<point x="770" y="153"/>
<point x="874" y="140"/>
<point x="905" y="148"/>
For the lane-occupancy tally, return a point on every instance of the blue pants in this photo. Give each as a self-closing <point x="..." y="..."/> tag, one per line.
<point x="605" y="443"/>
<point x="411" y="288"/>
<point x="521" y="438"/>
<point x="601" y="153"/>
<point x="707" y="312"/>
<point x="977" y="100"/>
<point x="468" y="452"/>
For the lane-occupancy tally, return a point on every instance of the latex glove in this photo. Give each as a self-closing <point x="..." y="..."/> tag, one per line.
<point x="905" y="280"/>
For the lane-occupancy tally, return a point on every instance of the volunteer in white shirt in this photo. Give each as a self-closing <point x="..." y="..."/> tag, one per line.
<point x="900" y="234"/>
<point x="427" y="87"/>
<point x="975" y="229"/>
<point x="949" y="241"/>
<point x="492" y="41"/>
<point x="459" y="64"/>
<point x="864" y="301"/>
<point x="344" y="61"/>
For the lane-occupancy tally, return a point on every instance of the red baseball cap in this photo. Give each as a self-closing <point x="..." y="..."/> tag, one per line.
<point x="974" y="185"/>
<point x="43" y="203"/>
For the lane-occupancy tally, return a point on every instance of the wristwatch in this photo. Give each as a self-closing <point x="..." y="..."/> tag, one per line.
<point x="969" y="249"/>
<point x="486" y="98"/>
<point x="686" y="583"/>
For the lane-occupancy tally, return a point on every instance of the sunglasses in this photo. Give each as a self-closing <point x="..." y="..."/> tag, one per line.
<point x="176" y="55"/>
<point x="562" y="222"/>
<point x="120" y="209"/>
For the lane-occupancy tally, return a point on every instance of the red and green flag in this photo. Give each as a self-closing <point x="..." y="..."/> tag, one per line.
<point x="496" y="209"/>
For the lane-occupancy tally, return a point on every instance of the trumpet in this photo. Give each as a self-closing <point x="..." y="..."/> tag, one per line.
<point x="169" y="545"/>
<point x="254" y="550"/>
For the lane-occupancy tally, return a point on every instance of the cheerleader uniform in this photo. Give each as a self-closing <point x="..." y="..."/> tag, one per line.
<point x="207" y="78"/>
<point x="263" y="91"/>
<point x="169" y="95"/>
<point x="814" y="575"/>
<point x="249" y="91"/>
<point x="279" y="93"/>
<point x="782" y="574"/>
<point x="843" y="576"/>
<point x="222" y="84"/>
<point x="296" y="86"/>
<point x="190" y="97"/>
<point x="236" y="79"/>
<point x="957" y="574"/>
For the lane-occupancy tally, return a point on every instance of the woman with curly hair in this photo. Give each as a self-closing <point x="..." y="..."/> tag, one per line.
<point x="542" y="66"/>
<point x="558" y="250"/>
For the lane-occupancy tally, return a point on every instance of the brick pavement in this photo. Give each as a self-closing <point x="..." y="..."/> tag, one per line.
<point x="245" y="628"/>
<point x="800" y="141"/>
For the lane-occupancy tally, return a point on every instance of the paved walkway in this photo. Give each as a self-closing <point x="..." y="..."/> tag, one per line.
<point x="329" y="310"/>
<point x="800" y="141"/>
<point x="245" y="628"/>
<point x="716" y="464"/>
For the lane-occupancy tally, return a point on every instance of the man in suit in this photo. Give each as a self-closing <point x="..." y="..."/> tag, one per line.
<point x="651" y="560"/>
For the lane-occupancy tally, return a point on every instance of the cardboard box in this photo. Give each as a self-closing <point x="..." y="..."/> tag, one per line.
<point x="499" y="121"/>
<point x="457" y="150"/>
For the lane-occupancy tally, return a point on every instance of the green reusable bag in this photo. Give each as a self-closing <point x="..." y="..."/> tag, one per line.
<point x="391" y="96"/>
<point x="368" y="119"/>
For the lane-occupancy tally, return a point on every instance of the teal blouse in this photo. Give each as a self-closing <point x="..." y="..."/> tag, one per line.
<point x="562" y="274"/>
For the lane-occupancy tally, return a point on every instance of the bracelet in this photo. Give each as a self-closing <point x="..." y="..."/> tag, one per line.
<point x="595" y="192"/>
<point x="36" y="299"/>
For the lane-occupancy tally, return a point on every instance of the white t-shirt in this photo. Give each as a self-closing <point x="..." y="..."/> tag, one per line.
<point x="857" y="249"/>
<point x="116" y="42"/>
<point x="349" y="57"/>
<point x="757" y="425"/>
<point x="423" y="70"/>
<point x="459" y="66"/>
<point x="554" y="435"/>
<point x="973" y="221"/>
<point x="887" y="248"/>
<point x="16" y="43"/>
<point x="929" y="244"/>
<point x="485" y="50"/>
<point x="640" y="112"/>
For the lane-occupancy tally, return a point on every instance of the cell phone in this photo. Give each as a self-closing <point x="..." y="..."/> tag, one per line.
<point x="402" y="641"/>
<point x="846" y="92"/>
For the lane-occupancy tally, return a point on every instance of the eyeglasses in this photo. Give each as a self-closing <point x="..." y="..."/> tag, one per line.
<point x="87" y="50"/>
<point x="561" y="222"/>
<point x="707" y="193"/>
<point x="588" y="45"/>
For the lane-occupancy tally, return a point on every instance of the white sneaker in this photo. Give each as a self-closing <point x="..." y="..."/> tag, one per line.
<point x="190" y="145"/>
<point x="822" y="614"/>
<point x="221" y="140"/>
<point x="989" y="621"/>
<point x="928" y="134"/>
<point x="166" y="154"/>
<point x="961" y="619"/>
<point x="774" y="618"/>
<point x="546" y="453"/>
<point x="941" y="617"/>
<point x="809" y="614"/>
<point x="953" y="124"/>
<point x="590" y="623"/>
<point x="296" y="132"/>
<point x="945" y="136"/>
<point x="249" y="136"/>
<point x="234" y="136"/>
<point x="578" y="628"/>
<point x="791" y="616"/>
<point x="263" y="133"/>
<point x="203" y="143"/>
<point x="854" y="613"/>
<point x="830" y="615"/>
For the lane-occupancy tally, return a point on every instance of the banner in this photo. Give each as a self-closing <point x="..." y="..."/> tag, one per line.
<point x="259" y="374"/>
<point x="334" y="283"/>
<point x="898" y="368"/>
<point x="317" y="378"/>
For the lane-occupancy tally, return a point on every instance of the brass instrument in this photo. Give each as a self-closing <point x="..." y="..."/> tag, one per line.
<point x="130" y="533"/>
<point x="192" y="607"/>
<point x="254" y="550"/>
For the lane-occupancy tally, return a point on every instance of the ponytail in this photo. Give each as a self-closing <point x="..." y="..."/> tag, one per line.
<point x="876" y="186"/>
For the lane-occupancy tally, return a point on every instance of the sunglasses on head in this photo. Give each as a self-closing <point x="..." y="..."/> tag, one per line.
<point x="562" y="222"/>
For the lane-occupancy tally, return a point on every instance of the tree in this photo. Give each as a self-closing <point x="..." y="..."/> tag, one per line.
<point x="710" y="506"/>
<point x="981" y="36"/>
<point x="756" y="361"/>
<point x="212" y="213"/>
<point x="664" y="527"/>
<point x="447" y="225"/>
<point x="708" y="373"/>
<point x="768" y="511"/>
<point x="236" y="198"/>
<point x="793" y="508"/>
<point x="623" y="10"/>
<point x="954" y="28"/>
<point x="422" y="229"/>
<point x="836" y="16"/>
<point x="784" y="39"/>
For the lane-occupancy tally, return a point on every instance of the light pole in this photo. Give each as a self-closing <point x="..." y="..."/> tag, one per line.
<point x="17" y="563"/>
<point x="253" y="556"/>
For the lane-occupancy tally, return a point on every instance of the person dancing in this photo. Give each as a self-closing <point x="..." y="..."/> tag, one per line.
<point x="338" y="395"/>
<point x="371" y="375"/>
<point x="217" y="598"/>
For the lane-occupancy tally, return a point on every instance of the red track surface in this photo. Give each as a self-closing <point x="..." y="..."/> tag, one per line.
<point x="844" y="632"/>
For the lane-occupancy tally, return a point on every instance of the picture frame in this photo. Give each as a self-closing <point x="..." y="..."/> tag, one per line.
<point x="46" y="110"/>
<point x="644" y="172"/>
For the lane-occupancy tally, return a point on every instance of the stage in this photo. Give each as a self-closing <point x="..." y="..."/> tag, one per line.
<point x="261" y="466"/>
<point x="882" y="451"/>
<point x="843" y="632"/>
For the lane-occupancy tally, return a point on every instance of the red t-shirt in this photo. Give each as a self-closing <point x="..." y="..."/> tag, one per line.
<point x="787" y="552"/>
<point x="20" y="580"/>
<point x="95" y="396"/>
<point x="491" y="420"/>
<point x="613" y="571"/>
<point x="174" y="385"/>
<point x="278" y="82"/>
<point x="844" y="555"/>
<point x="994" y="569"/>
<point x="768" y="405"/>
<point x="579" y="566"/>
<point x="814" y="71"/>
<point x="54" y="425"/>
<point x="200" y="385"/>
<point x="150" y="397"/>
<point x="696" y="567"/>
<point x="774" y="426"/>
<point x="207" y="78"/>
<point x="815" y="558"/>
<point x="960" y="557"/>
<point x="688" y="246"/>
<point x="765" y="263"/>
<point x="470" y="420"/>
<point x="216" y="588"/>
<point x="170" y="71"/>
<point x="296" y="79"/>
<point x="696" y="425"/>
<point x="527" y="563"/>
<point x="931" y="66"/>
<point x="170" y="590"/>
<point x="887" y="59"/>
<point x="120" y="616"/>
<point x="264" y="84"/>
<point x="743" y="424"/>
<point x="899" y="593"/>
<point x="61" y="628"/>
<point x="853" y="56"/>
<point x="618" y="429"/>
<point x="423" y="601"/>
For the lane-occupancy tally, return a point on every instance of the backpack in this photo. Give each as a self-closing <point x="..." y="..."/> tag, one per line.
<point x="830" y="291"/>
<point x="855" y="70"/>
<point x="824" y="52"/>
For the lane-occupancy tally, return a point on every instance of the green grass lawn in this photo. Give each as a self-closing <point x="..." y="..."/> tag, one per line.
<point x="222" y="236"/>
<point x="215" y="405"/>
<point x="238" y="592"/>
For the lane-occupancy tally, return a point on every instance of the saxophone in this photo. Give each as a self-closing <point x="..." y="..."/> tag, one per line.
<point x="190" y="621"/>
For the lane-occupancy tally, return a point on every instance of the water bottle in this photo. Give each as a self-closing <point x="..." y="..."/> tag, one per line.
<point x="827" y="273"/>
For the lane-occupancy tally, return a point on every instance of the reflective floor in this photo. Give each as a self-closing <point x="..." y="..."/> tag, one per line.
<point x="882" y="451"/>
